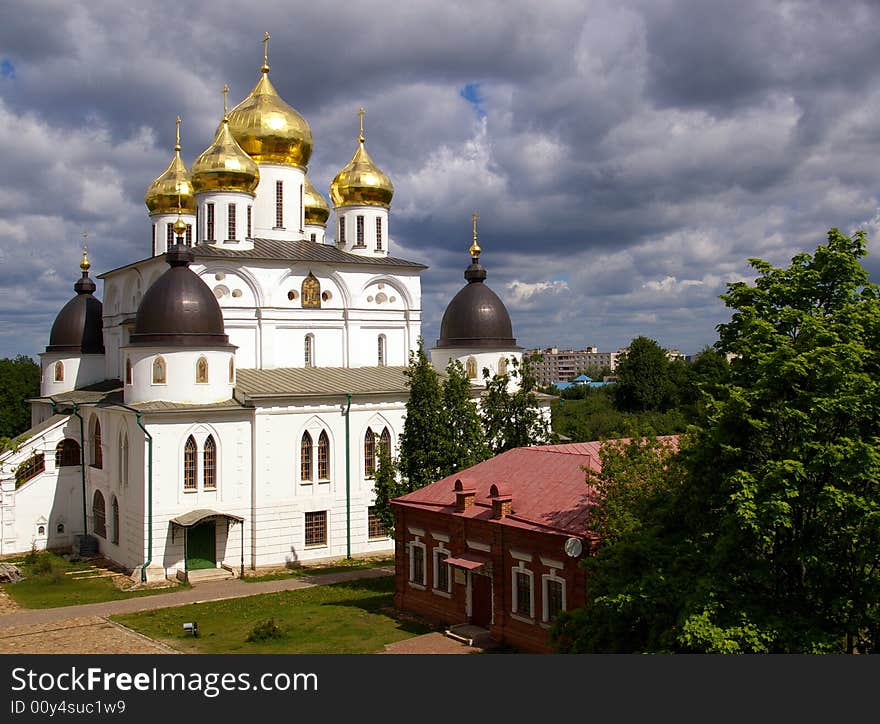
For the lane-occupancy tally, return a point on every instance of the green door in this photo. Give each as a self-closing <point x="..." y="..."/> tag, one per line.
<point x="201" y="545"/>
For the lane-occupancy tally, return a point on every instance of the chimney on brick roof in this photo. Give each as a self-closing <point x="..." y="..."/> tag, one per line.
<point x="502" y="502"/>
<point x="464" y="498"/>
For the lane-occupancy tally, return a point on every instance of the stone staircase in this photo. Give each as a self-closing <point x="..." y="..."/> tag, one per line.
<point x="469" y="635"/>
<point x="203" y="575"/>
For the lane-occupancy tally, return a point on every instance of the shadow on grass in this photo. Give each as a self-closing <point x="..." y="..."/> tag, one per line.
<point x="383" y="604"/>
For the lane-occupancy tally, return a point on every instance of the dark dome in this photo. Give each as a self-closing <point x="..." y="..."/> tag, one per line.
<point x="476" y="317"/>
<point x="78" y="328"/>
<point x="179" y="309"/>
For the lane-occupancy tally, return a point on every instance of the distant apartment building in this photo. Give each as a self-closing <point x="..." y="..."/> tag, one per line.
<point x="563" y="365"/>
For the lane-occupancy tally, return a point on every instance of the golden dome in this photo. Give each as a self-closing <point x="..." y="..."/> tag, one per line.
<point x="224" y="166"/>
<point x="268" y="129"/>
<point x="172" y="187"/>
<point x="317" y="209"/>
<point x="361" y="182"/>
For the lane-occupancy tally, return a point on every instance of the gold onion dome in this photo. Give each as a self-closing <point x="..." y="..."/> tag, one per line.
<point x="173" y="187"/>
<point x="317" y="210"/>
<point x="224" y="166"/>
<point x="361" y="182"/>
<point x="267" y="128"/>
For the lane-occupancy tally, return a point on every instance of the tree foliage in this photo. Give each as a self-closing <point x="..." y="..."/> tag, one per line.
<point x="387" y="486"/>
<point x="19" y="380"/>
<point x="643" y="378"/>
<point x="464" y="440"/>
<point x="766" y="537"/>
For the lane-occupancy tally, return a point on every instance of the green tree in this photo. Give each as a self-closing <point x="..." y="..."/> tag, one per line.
<point x="465" y="440"/>
<point x="643" y="381"/>
<point x="19" y="380"/>
<point x="387" y="486"/>
<point x="422" y="443"/>
<point x="513" y="419"/>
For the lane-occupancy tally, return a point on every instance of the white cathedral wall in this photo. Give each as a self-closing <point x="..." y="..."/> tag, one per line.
<point x="222" y="237"/>
<point x="484" y="358"/>
<point x="369" y="245"/>
<point x="180" y="383"/>
<point x="292" y="220"/>
<point x="77" y="371"/>
<point x="159" y="231"/>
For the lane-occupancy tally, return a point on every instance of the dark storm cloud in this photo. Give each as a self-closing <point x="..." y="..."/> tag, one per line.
<point x="625" y="158"/>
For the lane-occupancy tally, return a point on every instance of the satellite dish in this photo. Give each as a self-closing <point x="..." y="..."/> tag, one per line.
<point x="573" y="547"/>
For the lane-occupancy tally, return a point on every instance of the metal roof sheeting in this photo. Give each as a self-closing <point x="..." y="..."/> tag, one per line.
<point x="320" y="381"/>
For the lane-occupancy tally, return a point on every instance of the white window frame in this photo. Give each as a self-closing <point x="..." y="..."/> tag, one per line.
<point x="514" y="590"/>
<point x="417" y="543"/>
<point x="545" y="599"/>
<point x="447" y="592"/>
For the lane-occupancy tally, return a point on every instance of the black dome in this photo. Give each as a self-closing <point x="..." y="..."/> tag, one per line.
<point x="476" y="317"/>
<point x="179" y="309"/>
<point x="78" y="328"/>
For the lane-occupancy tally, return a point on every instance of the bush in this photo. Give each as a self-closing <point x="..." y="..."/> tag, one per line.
<point x="44" y="564"/>
<point x="265" y="631"/>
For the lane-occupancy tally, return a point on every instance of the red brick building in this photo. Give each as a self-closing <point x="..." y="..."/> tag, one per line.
<point x="499" y="544"/>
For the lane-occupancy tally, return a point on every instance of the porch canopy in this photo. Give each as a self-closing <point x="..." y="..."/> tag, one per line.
<point x="203" y="515"/>
<point x="468" y="561"/>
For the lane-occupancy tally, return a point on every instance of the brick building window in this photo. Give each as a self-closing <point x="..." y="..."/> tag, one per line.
<point x="554" y="597"/>
<point x="522" y="590"/>
<point x="316" y="528"/>
<point x="417" y="563"/>
<point x="442" y="581"/>
<point x="375" y="529"/>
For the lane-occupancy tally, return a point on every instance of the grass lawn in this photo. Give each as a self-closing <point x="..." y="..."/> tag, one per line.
<point x="48" y="585"/>
<point x="354" y="564"/>
<point x="344" y="618"/>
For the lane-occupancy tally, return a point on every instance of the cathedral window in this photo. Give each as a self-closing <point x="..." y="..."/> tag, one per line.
<point x="202" y="371"/>
<point x="59" y="371"/>
<point x="369" y="453"/>
<point x="381" y="350"/>
<point x="250" y="214"/>
<point x="309" y="351"/>
<point x="159" y="371"/>
<point x="314" y="237"/>
<point x="128" y="372"/>
<point x="316" y="528"/>
<point x="114" y="521"/>
<point x="154" y="240"/>
<point x="231" y="371"/>
<point x="375" y="528"/>
<point x="209" y="222"/>
<point x="360" y="231"/>
<point x="502" y="366"/>
<point x="302" y="210"/>
<point x="279" y="204"/>
<point x="97" y="448"/>
<point x="305" y="458"/>
<point x="189" y="464"/>
<point x="67" y="453"/>
<point x="209" y="464"/>
<point x="169" y="235"/>
<point x="385" y="441"/>
<point x="189" y="235"/>
<point x="123" y="458"/>
<point x="342" y="230"/>
<point x="230" y="216"/>
<point x="323" y="456"/>
<point x="472" y="368"/>
<point x="378" y="233"/>
<point x="99" y="515"/>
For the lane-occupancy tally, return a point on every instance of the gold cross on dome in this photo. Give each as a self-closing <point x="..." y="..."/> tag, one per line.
<point x="85" y="264"/>
<point x="225" y="104"/>
<point x="361" y="113"/>
<point x="266" y="37"/>
<point x="177" y="145"/>
<point x="475" y="247"/>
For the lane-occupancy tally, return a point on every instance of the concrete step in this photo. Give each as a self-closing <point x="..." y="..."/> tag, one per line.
<point x="469" y="634"/>
<point x="201" y="575"/>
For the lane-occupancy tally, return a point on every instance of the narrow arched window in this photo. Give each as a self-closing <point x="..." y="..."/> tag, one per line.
<point x="123" y="458"/>
<point x="189" y="464"/>
<point x="309" y="351"/>
<point x="231" y="371"/>
<point x="209" y="464"/>
<point x="67" y="453"/>
<point x="97" y="447"/>
<point x="158" y="371"/>
<point x="305" y="457"/>
<point x="502" y="366"/>
<point x="59" y="371"/>
<point x="202" y="371"/>
<point x="114" y="521"/>
<point x="472" y="368"/>
<point x="99" y="515"/>
<point x="323" y="456"/>
<point x="369" y="453"/>
<point x="385" y="441"/>
<point x="128" y="372"/>
<point x="381" y="350"/>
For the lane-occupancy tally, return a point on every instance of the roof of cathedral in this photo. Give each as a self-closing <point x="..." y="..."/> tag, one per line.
<point x="106" y="391"/>
<point x="361" y="182"/>
<point x="288" y="251"/>
<point x="78" y="328"/>
<point x="319" y="381"/>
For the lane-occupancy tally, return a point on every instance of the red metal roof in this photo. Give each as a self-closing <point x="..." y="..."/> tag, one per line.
<point x="548" y="485"/>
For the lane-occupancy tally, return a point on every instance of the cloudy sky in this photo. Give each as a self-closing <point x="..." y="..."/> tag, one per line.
<point x="626" y="158"/>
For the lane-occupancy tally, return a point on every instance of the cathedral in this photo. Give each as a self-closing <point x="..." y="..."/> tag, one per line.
<point x="221" y="407"/>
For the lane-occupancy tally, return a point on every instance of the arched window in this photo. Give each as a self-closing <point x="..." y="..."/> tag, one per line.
<point x="309" y="356"/>
<point x="369" y="453"/>
<point x="123" y="458"/>
<point x="202" y="371"/>
<point x="189" y="464"/>
<point x="385" y="441"/>
<point x="67" y="453"/>
<point x="99" y="515"/>
<point x="128" y="374"/>
<point x="158" y="371"/>
<point x="472" y="368"/>
<point x="209" y="464"/>
<point x="381" y="350"/>
<point x="305" y="457"/>
<point x="502" y="366"/>
<point x="97" y="448"/>
<point x="114" y="521"/>
<point x="323" y="456"/>
<point x="231" y="370"/>
<point x="59" y="371"/>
